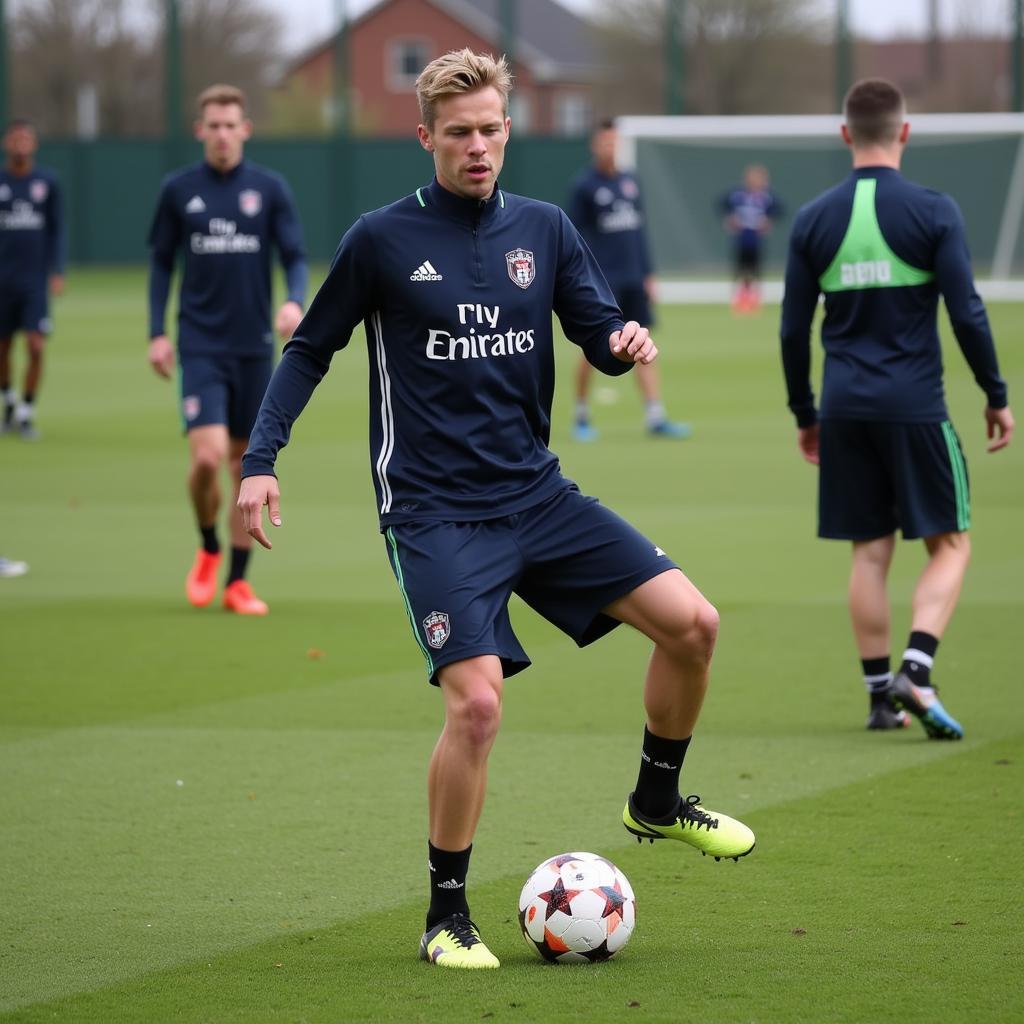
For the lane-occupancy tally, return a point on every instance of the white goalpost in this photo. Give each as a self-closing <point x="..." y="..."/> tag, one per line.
<point x="686" y="164"/>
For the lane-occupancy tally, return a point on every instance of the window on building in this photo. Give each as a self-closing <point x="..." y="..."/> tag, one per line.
<point x="572" y="113"/>
<point x="519" y="110"/>
<point x="406" y="59"/>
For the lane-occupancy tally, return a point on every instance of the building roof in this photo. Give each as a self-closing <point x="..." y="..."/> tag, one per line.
<point x="551" y="40"/>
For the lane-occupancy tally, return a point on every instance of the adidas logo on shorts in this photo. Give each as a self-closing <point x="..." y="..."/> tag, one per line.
<point x="425" y="272"/>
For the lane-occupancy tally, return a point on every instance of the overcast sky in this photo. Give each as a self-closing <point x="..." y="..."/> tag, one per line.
<point x="309" y="20"/>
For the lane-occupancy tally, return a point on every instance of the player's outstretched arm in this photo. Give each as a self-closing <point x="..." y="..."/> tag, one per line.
<point x="633" y="344"/>
<point x="1000" y="427"/>
<point x="255" y="492"/>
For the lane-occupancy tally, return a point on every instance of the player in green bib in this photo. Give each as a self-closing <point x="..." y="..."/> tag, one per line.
<point x="882" y="250"/>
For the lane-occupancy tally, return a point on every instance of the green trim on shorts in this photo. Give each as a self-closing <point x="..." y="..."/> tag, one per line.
<point x="390" y="534"/>
<point x="960" y="488"/>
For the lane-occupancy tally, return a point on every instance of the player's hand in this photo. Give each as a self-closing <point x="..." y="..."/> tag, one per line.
<point x="289" y="316"/>
<point x="255" y="492"/>
<point x="1000" y="427"/>
<point x="161" y="355"/>
<point x="56" y="284"/>
<point x="633" y="344"/>
<point x="807" y="440"/>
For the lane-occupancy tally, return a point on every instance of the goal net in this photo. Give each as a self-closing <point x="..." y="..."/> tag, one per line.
<point x="687" y="165"/>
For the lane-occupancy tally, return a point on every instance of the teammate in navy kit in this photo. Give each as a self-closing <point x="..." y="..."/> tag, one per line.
<point x="606" y="208"/>
<point x="883" y="250"/>
<point x="749" y="212"/>
<point x="456" y="285"/>
<point x="32" y="250"/>
<point x="222" y="216"/>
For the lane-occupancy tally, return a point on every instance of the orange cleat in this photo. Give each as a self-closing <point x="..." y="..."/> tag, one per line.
<point x="238" y="597"/>
<point x="201" y="582"/>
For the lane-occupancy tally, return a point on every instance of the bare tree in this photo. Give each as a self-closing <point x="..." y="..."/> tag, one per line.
<point x="741" y="56"/>
<point x="64" y="51"/>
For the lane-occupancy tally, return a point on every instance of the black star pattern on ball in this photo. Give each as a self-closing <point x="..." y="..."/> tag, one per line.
<point x="557" y="898"/>
<point x="613" y="899"/>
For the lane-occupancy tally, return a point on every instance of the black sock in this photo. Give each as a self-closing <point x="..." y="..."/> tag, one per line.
<point x="448" y="870"/>
<point x="919" y="657"/>
<point x="210" y="543"/>
<point x="29" y="397"/>
<point x="239" y="563"/>
<point x="877" y="673"/>
<point x="657" y="785"/>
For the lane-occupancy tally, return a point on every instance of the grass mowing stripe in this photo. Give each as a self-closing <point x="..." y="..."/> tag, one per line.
<point x="784" y="937"/>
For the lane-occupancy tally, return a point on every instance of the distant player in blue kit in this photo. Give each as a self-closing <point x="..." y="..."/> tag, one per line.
<point x="221" y="217"/>
<point x="882" y="250"/>
<point x="606" y="208"/>
<point x="749" y="213"/>
<point x="455" y="286"/>
<point x="32" y="252"/>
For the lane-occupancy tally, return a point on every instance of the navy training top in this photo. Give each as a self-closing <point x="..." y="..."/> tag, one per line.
<point x="882" y="249"/>
<point x="608" y="212"/>
<point x="456" y="296"/>
<point x="751" y="212"/>
<point x="224" y="226"/>
<point x="32" y="229"/>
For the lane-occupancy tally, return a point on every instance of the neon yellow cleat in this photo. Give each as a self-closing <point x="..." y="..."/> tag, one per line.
<point x="712" y="833"/>
<point x="455" y="942"/>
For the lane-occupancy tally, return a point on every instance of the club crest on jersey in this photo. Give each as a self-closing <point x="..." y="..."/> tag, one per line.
<point x="38" y="191"/>
<point x="250" y="202"/>
<point x="521" y="267"/>
<point x="437" y="628"/>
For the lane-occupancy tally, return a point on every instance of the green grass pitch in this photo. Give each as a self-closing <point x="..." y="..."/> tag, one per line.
<point x="210" y="818"/>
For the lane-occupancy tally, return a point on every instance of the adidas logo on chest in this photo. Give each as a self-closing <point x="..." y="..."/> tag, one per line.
<point x="425" y="272"/>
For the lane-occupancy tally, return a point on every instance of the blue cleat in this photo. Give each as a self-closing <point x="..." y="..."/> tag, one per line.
<point x="583" y="431"/>
<point x="667" y="428"/>
<point x="924" y="704"/>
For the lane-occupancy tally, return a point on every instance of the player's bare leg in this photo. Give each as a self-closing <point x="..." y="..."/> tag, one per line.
<point x="456" y="786"/>
<point x="457" y="778"/>
<point x="208" y="452"/>
<point x="582" y="429"/>
<point x="871" y="620"/>
<point x="9" y="397"/>
<point x="868" y="597"/>
<point x="683" y="625"/>
<point x="238" y="595"/>
<point x="938" y="587"/>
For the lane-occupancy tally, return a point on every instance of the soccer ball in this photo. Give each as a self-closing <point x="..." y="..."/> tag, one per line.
<point x="577" y="906"/>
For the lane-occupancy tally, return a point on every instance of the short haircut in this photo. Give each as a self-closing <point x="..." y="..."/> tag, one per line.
<point x="19" y="122"/>
<point x="604" y="125"/>
<point x="460" y="71"/>
<point x="874" y="110"/>
<point x="222" y="95"/>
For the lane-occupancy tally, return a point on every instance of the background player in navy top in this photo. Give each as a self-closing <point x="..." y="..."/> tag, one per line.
<point x="32" y="250"/>
<point x="221" y="217"/>
<point x="456" y="285"/>
<point x="606" y="207"/>
<point x="882" y="250"/>
<point x="749" y="212"/>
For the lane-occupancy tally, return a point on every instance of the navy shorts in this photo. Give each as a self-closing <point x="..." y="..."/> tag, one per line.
<point x="567" y="558"/>
<point x="635" y="305"/>
<point x="877" y="477"/>
<point x="223" y="389"/>
<point x="24" y="309"/>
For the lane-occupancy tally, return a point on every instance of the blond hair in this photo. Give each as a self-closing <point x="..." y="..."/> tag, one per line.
<point x="460" y="71"/>
<point x="222" y="95"/>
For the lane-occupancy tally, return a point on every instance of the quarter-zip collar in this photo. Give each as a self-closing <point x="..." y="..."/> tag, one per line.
<point x="471" y="211"/>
